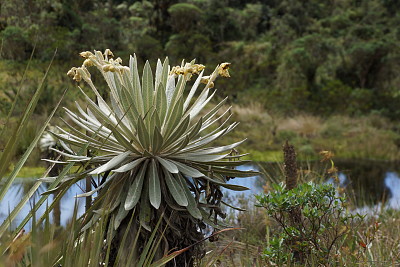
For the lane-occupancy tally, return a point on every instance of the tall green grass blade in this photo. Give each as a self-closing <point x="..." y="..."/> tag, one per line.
<point x="24" y="158"/>
<point x="122" y="245"/>
<point x="146" y="249"/>
<point x="21" y="204"/>
<point x="44" y="197"/>
<point x="15" y="136"/>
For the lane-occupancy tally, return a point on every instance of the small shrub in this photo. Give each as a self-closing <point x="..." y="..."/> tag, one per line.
<point x="318" y="230"/>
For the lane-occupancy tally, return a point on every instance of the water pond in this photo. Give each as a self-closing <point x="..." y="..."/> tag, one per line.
<point x="376" y="183"/>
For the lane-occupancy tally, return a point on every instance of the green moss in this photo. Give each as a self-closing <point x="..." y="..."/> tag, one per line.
<point x="29" y="172"/>
<point x="269" y="156"/>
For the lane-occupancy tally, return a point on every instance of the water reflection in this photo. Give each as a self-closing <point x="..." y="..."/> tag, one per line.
<point x="392" y="182"/>
<point x="379" y="181"/>
<point x="373" y="182"/>
<point x="22" y="186"/>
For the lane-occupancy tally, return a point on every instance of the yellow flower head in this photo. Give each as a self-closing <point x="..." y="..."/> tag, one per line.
<point x="223" y="70"/>
<point x="87" y="63"/>
<point x="86" y="54"/>
<point x="108" y="53"/>
<point x="71" y="72"/>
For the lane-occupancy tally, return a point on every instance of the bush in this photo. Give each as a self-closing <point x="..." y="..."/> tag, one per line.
<point x="313" y="223"/>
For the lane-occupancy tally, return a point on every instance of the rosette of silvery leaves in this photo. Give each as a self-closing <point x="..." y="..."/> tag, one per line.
<point x="152" y="143"/>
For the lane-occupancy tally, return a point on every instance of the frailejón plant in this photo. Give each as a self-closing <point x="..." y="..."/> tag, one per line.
<point x="151" y="145"/>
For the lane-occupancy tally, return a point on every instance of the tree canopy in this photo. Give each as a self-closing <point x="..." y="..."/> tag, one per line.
<point x="325" y="57"/>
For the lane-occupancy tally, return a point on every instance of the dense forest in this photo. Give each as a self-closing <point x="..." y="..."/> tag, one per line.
<point x="317" y="56"/>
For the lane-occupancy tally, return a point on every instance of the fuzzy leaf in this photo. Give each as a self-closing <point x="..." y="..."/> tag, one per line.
<point x="147" y="87"/>
<point x="187" y="170"/>
<point x="154" y="185"/>
<point x="167" y="164"/>
<point x="112" y="163"/>
<point x="135" y="189"/>
<point x="130" y="165"/>
<point x="192" y="205"/>
<point x="175" y="189"/>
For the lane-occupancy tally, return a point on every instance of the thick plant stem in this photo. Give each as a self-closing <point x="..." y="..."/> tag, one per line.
<point x="290" y="166"/>
<point x="289" y="155"/>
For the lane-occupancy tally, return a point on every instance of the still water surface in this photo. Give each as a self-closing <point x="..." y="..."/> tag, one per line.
<point x="378" y="182"/>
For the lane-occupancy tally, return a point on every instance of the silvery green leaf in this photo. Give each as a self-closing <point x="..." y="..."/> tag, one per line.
<point x="151" y="125"/>
<point x="112" y="163"/>
<point x="120" y="114"/>
<point x="201" y="158"/>
<point x="193" y="90"/>
<point x="177" y="132"/>
<point x="154" y="185"/>
<point x="108" y="118"/>
<point x="175" y="189"/>
<point x="96" y="189"/>
<point x="104" y="141"/>
<point x="215" y="110"/>
<point x="234" y="187"/>
<point x="178" y="93"/>
<point x="121" y="214"/>
<point x="200" y="106"/>
<point x="234" y="173"/>
<point x="137" y="93"/>
<point x="213" y="150"/>
<point x="161" y="103"/>
<point x="159" y="69"/>
<point x="174" y="117"/>
<point x="187" y="170"/>
<point x="199" y="101"/>
<point x="165" y="71"/>
<point x="129" y="166"/>
<point x="91" y="222"/>
<point x="179" y="145"/>
<point x="170" y="88"/>
<point x="55" y="161"/>
<point x="145" y="210"/>
<point x="69" y="155"/>
<point x="135" y="190"/>
<point x="205" y="140"/>
<point x="127" y="145"/>
<point x="167" y="164"/>
<point x="227" y="163"/>
<point x="201" y="142"/>
<point x="89" y="118"/>
<point x="195" y="129"/>
<point x="192" y="204"/>
<point x="157" y="140"/>
<point x="147" y="87"/>
<point x="143" y="134"/>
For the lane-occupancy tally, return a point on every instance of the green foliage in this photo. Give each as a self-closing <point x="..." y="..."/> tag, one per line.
<point x="17" y="38"/>
<point x="313" y="222"/>
<point x="287" y="55"/>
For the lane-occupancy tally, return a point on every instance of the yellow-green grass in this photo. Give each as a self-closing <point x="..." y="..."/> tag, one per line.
<point x="368" y="137"/>
<point x="30" y="172"/>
